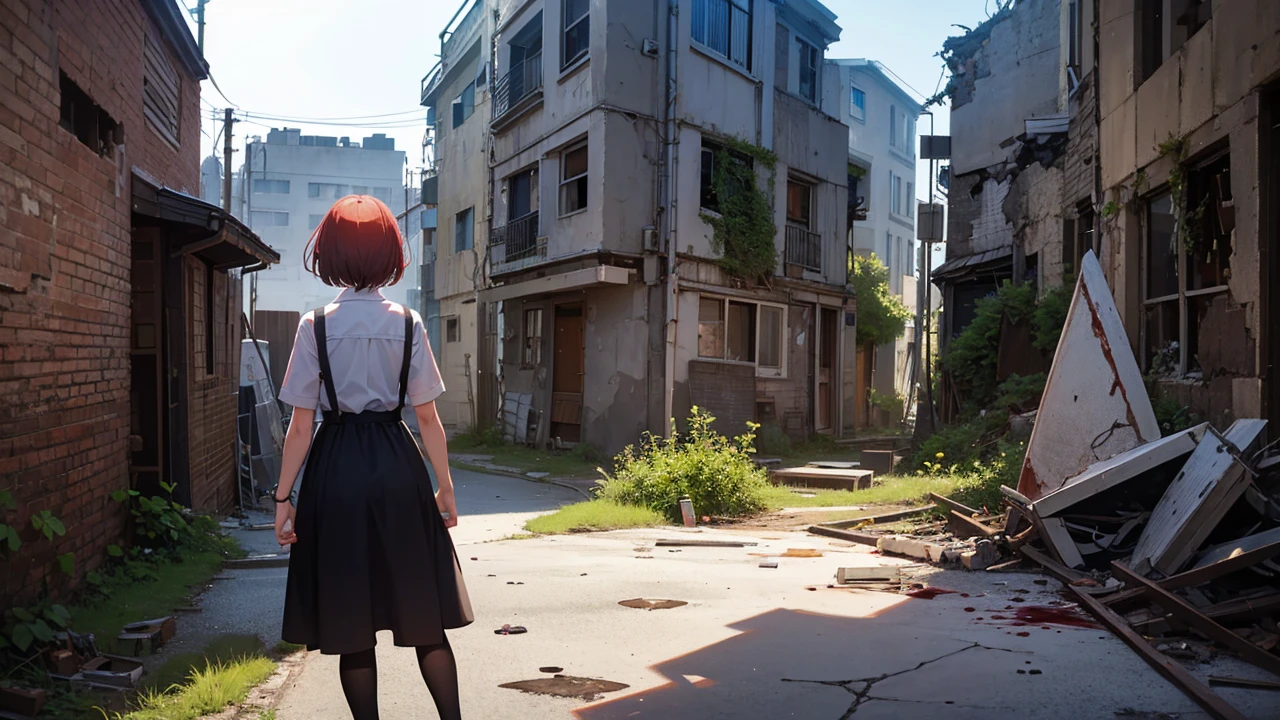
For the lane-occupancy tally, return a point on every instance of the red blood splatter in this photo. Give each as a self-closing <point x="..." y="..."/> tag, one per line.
<point x="1024" y="634"/>
<point x="929" y="593"/>
<point x="1044" y="616"/>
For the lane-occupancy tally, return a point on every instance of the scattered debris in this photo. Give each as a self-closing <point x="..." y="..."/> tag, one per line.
<point x="551" y="669"/>
<point x="511" y="630"/>
<point x="587" y="689"/>
<point x="881" y="518"/>
<point x="768" y="563"/>
<point x="928" y="593"/>
<point x="981" y="557"/>
<point x="22" y="702"/>
<point x="1243" y="683"/>
<point x="821" y="477"/>
<point x="848" y="535"/>
<point x="646" y="604"/>
<point x="155" y="632"/>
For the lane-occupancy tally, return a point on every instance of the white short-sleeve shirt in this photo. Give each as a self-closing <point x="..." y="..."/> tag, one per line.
<point x="364" y="335"/>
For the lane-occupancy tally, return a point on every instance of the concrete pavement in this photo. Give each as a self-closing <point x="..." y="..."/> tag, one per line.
<point x="756" y="643"/>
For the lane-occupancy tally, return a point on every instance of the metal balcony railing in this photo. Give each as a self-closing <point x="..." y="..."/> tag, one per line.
<point x="517" y="240"/>
<point x="804" y="248"/>
<point x="462" y="32"/>
<point x="521" y="81"/>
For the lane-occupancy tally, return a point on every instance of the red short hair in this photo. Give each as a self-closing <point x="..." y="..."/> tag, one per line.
<point x="357" y="245"/>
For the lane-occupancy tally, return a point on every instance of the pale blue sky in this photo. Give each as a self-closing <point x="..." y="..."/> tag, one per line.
<point x="340" y="59"/>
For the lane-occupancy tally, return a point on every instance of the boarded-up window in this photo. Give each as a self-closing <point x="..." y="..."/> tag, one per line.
<point x="161" y="88"/>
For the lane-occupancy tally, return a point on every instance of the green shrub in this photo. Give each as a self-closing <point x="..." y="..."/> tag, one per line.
<point x="715" y="472"/>
<point x="1172" y="416"/>
<point x="1050" y="317"/>
<point x="772" y="441"/>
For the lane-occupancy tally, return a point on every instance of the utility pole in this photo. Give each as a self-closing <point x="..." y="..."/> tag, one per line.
<point x="227" y="122"/>
<point x="198" y="12"/>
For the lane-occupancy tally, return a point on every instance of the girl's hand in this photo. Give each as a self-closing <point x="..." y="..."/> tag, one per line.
<point x="284" y="515"/>
<point x="448" y="506"/>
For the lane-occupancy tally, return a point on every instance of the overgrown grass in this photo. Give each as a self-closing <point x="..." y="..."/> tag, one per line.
<point x="223" y="649"/>
<point x="133" y="601"/>
<point x="594" y="515"/>
<point x="208" y="690"/>
<point x="895" y="490"/>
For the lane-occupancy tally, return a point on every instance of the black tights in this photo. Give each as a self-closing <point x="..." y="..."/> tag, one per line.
<point x="359" y="674"/>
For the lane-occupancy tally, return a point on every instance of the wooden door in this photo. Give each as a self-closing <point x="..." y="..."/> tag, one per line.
<point x="825" y="383"/>
<point x="148" y="407"/>
<point x="567" y="373"/>
<point x="866" y="365"/>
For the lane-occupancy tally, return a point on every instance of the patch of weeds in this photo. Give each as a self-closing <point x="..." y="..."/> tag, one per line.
<point x="717" y="473"/>
<point x="206" y="691"/>
<point x="772" y="441"/>
<point x="520" y="536"/>
<point x="287" y="648"/>
<point x="593" y="516"/>
<point x="223" y="649"/>
<point x="477" y="438"/>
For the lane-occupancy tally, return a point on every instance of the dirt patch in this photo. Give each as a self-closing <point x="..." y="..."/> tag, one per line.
<point x="587" y="689"/>
<point x="647" y="604"/>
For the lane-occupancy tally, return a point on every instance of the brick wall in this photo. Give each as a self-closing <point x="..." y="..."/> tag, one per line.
<point x="64" y="272"/>
<point x="213" y="396"/>
<point x="1082" y="141"/>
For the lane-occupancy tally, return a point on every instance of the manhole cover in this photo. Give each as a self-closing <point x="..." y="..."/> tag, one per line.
<point x="647" y="604"/>
<point x="587" y="689"/>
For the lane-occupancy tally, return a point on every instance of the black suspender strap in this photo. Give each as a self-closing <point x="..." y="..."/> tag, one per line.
<point x="408" y="354"/>
<point x="326" y="375"/>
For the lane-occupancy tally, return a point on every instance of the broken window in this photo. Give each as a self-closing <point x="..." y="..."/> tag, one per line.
<point x="82" y="117"/>
<point x="533" y="337"/>
<point x="745" y="332"/>
<point x="711" y="328"/>
<point x="1187" y="263"/>
<point x="741" y="335"/>
<point x="708" y="192"/>
<point x="1163" y="27"/>
<point x="573" y="179"/>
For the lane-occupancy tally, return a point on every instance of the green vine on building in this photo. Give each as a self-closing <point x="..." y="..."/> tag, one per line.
<point x="744" y="229"/>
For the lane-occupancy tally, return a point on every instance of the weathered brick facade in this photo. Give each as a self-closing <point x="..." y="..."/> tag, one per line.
<point x="65" y="279"/>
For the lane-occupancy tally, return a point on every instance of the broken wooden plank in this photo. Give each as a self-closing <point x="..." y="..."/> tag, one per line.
<point x="1059" y="541"/>
<point x="848" y="575"/>
<point x="1172" y="671"/>
<point x="881" y="518"/>
<point x="952" y="505"/>
<point x="963" y="526"/>
<point x="1053" y="567"/>
<point x="1095" y="404"/>
<point x="1243" y="683"/>
<point x="703" y="543"/>
<point x="1239" y="609"/>
<point x="1207" y="486"/>
<point x="834" y="464"/>
<point x="1195" y="619"/>
<point x="1126" y="466"/>
<point x="849" y="535"/>
<point x="1016" y="498"/>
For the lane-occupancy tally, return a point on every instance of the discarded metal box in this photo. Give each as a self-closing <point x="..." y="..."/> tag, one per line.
<point x="111" y="671"/>
<point x="1095" y="404"/>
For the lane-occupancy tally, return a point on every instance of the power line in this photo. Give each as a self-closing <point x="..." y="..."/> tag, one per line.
<point x="363" y="126"/>
<point x="224" y="95"/>
<point x="904" y="82"/>
<point x="293" y="118"/>
<point x="405" y="123"/>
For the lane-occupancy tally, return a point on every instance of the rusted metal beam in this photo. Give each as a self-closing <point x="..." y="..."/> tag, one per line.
<point x="849" y="535"/>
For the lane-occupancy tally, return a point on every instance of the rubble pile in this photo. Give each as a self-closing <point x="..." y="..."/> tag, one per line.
<point x="1172" y="542"/>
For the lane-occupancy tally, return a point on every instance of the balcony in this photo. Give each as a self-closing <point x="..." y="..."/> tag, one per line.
<point x="516" y="244"/>
<point x="459" y="38"/>
<point x="519" y="89"/>
<point x="804" y="249"/>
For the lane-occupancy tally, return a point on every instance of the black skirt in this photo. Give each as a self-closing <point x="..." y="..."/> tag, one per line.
<point x="372" y="552"/>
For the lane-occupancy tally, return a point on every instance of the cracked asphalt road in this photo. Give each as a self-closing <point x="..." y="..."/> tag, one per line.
<point x="755" y="642"/>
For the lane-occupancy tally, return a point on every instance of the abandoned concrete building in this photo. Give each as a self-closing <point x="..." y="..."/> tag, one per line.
<point x="119" y="290"/>
<point x="1142" y="130"/>
<point x="606" y="310"/>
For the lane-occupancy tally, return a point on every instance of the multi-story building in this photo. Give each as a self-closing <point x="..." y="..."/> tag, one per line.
<point x="119" y="289"/>
<point x="882" y="162"/>
<point x="457" y="94"/>
<point x="603" y="298"/>
<point x="1143" y="133"/>
<point x="292" y="181"/>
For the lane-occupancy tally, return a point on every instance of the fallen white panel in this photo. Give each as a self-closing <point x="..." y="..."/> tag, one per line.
<point x="1056" y="535"/>
<point x="1095" y="405"/>
<point x="1208" y="485"/>
<point x="1125" y="466"/>
<point x="1228" y="550"/>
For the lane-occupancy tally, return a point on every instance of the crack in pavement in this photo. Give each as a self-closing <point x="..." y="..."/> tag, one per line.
<point x="863" y="694"/>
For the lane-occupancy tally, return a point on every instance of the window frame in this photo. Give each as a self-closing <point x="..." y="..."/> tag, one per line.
<point x="452" y="329"/>
<point x="861" y="109"/>
<point x="273" y="183"/>
<point x="532" y="321"/>
<point x="275" y="215"/>
<point x="759" y="307"/>
<point x="709" y="149"/>
<point x="808" y="52"/>
<point x="564" y="182"/>
<point x="566" y="26"/>
<point x="807" y="221"/>
<point x="467" y="109"/>
<point x="706" y="43"/>
<point x="469" y="214"/>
